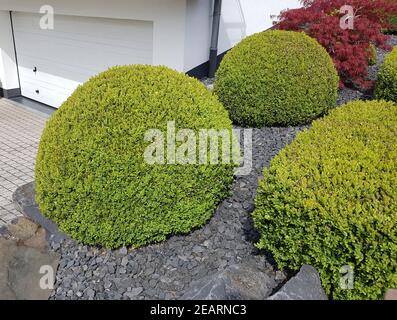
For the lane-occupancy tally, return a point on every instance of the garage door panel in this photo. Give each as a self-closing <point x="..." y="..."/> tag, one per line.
<point x="77" y="70"/>
<point x="56" y="69"/>
<point x="78" y="48"/>
<point x="83" y="26"/>
<point x="46" y="79"/>
<point x="52" y="94"/>
<point x="26" y="40"/>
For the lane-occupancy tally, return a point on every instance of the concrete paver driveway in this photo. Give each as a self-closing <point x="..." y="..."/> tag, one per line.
<point x="20" y="131"/>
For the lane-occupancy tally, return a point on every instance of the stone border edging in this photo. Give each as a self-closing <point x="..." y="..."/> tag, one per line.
<point x="23" y="199"/>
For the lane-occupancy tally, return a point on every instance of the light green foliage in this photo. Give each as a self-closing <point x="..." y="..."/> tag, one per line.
<point x="386" y="87"/>
<point x="91" y="177"/>
<point x="277" y="78"/>
<point x="329" y="199"/>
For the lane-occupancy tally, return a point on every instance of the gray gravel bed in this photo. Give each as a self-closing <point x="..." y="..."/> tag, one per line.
<point x="374" y="70"/>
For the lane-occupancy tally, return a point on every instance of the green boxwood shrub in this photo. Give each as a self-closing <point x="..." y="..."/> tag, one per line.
<point x="373" y="59"/>
<point x="394" y="22"/>
<point x="386" y="87"/>
<point x="277" y="78"/>
<point x="329" y="199"/>
<point x="91" y="177"/>
<point x="393" y="29"/>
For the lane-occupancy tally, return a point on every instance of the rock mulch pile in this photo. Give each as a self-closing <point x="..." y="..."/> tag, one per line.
<point x="243" y="282"/>
<point x="305" y="285"/>
<point x="238" y="282"/>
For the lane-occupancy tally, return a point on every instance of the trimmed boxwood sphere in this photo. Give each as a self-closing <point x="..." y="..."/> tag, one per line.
<point x="330" y="200"/>
<point x="386" y="87"/>
<point x="277" y="78"/>
<point x="91" y="177"/>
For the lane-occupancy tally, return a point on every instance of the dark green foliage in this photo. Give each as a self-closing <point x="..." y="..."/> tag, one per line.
<point x="91" y="177"/>
<point x="393" y="28"/>
<point x="277" y="78"/>
<point x="330" y="199"/>
<point x="394" y="23"/>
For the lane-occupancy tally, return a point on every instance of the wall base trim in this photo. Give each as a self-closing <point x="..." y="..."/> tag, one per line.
<point x="10" y="93"/>
<point x="202" y="70"/>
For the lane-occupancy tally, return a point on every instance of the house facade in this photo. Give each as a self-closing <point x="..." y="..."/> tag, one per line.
<point x="46" y="64"/>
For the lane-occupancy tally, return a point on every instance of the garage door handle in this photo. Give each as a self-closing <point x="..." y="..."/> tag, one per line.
<point x="37" y="91"/>
<point x="35" y="69"/>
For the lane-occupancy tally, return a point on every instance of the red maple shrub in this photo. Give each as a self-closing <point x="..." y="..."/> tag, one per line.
<point x="348" y="47"/>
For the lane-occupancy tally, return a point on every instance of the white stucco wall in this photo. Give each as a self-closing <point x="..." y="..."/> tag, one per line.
<point x="198" y="32"/>
<point x="240" y="18"/>
<point x="168" y="19"/>
<point x="8" y="69"/>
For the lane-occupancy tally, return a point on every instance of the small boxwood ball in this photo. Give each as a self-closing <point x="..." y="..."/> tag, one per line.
<point x="277" y="78"/>
<point x="92" y="178"/>
<point x="386" y="87"/>
<point x="373" y="55"/>
<point x="329" y="199"/>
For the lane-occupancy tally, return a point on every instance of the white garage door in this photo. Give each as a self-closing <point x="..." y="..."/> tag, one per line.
<point x="52" y="63"/>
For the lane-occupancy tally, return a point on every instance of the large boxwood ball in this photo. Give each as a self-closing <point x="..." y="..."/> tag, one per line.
<point x="92" y="178"/>
<point x="386" y="87"/>
<point x="277" y="78"/>
<point x="330" y="200"/>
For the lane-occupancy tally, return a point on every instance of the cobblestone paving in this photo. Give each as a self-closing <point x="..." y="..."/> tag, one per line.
<point x="20" y="131"/>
